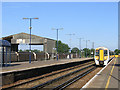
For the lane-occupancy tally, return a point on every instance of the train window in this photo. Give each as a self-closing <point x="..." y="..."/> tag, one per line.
<point x="97" y="53"/>
<point x="105" y="53"/>
<point x="110" y="53"/>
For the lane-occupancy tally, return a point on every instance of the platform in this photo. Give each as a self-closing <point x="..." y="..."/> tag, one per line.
<point x="107" y="78"/>
<point x="19" y="66"/>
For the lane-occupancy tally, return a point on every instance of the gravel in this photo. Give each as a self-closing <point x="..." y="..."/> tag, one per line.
<point x="80" y="83"/>
<point x="48" y="78"/>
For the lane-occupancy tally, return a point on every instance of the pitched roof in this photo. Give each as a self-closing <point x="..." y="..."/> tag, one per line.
<point x="24" y="34"/>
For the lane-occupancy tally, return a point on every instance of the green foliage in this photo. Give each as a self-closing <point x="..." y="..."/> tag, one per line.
<point x="117" y="51"/>
<point x="20" y="50"/>
<point x="74" y="50"/>
<point x="62" y="47"/>
<point x="93" y="50"/>
<point x="35" y="50"/>
<point x="27" y="50"/>
<point x="87" y="51"/>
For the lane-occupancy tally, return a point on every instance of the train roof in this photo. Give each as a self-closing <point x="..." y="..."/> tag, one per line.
<point x="102" y="48"/>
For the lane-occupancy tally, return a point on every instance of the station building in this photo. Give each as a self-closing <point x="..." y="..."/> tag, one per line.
<point x="24" y="38"/>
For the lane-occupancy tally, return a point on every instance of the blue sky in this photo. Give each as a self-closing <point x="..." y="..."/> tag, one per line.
<point x="94" y="21"/>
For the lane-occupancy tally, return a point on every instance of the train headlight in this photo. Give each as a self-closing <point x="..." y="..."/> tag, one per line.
<point x="96" y="57"/>
<point x="105" y="58"/>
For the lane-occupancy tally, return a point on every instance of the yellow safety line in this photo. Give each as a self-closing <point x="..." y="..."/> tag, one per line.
<point x="110" y="76"/>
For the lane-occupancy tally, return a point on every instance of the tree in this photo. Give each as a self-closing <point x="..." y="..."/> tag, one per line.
<point x="20" y="50"/>
<point x="35" y="50"/>
<point x="27" y="50"/>
<point x="87" y="50"/>
<point x="117" y="51"/>
<point x="74" y="50"/>
<point x="62" y="47"/>
<point x="92" y="52"/>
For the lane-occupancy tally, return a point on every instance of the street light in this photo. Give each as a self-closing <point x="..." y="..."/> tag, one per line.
<point x="93" y="48"/>
<point x="86" y="46"/>
<point x="30" y="37"/>
<point x="80" y="47"/>
<point x="93" y="45"/>
<point x="70" y="42"/>
<point x="92" y="52"/>
<point x="57" y="38"/>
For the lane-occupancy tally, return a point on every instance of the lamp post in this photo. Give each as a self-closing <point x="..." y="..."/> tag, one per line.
<point x="70" y="42"/>
<point x="86" y="47"/>
<point x="80" y="47"/>
<point x="30" y="37"/>
<point x="93" y="48"/>
<point x="92" y="51"/>
<point x="57" y="38"/>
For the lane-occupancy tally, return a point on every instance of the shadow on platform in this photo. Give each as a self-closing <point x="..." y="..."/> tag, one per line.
<point x="118" y="65"/>
<point x="10" y="65"/>
<point x="115" y="78"/>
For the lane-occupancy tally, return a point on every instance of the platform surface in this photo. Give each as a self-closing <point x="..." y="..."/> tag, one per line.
<point x="108" y="78"/>
<point x="19" y="66"/>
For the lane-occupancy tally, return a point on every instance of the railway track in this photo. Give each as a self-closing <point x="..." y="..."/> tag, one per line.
<point x="65" y="80"/>
<point x="34" y="80"/>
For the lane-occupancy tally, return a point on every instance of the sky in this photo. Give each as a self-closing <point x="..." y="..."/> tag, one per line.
<point x="94" y="21"/>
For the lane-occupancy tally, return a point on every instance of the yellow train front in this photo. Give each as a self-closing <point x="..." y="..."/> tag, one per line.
<point x="102" y="56"/>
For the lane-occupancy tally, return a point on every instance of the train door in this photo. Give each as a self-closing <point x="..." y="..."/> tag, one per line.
<point x="101" y="57"/>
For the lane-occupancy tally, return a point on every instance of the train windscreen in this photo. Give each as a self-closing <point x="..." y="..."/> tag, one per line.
<point x="105" y="53"/>
<point x="97" y="53"/>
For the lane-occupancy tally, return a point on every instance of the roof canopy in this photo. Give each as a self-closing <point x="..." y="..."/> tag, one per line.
<point x="4" y="43"/>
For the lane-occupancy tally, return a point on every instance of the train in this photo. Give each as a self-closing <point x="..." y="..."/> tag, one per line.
<point x="102" y="56"/>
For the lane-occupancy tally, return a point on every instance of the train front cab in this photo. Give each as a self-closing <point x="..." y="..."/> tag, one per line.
<point x="101" y="57"/>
